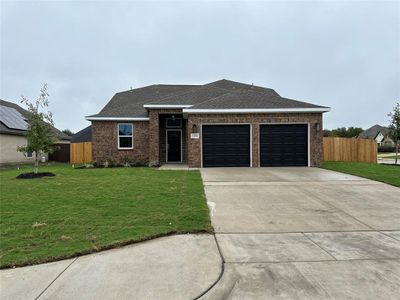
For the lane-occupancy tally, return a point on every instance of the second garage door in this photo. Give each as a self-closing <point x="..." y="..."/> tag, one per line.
<point x="226" y="145"/>
<point x="283" y="145"/>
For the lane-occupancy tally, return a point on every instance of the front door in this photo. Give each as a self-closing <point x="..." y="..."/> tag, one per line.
<point x="174" y="145"/>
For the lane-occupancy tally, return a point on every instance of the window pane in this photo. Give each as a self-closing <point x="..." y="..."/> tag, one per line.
<point x="174" y="123"/>
<point x="125" y="129"/>
<point x="125" y="142"/>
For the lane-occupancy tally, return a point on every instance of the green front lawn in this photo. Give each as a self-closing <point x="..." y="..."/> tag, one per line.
<point x="384" y="173"/>
<point x="86" y="210"/>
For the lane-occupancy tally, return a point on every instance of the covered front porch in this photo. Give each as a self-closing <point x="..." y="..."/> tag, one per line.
<point x="168" y="137"/>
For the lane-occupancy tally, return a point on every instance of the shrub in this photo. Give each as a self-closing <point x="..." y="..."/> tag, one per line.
<point x="386" y="148"/>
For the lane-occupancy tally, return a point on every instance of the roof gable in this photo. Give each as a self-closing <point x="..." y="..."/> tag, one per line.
<point x="372" y="132"/>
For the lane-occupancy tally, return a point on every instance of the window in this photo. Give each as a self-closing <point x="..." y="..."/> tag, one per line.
<point x="29" y="154"/>
<point x="173" y="123"/>
<point x="125" y="136"/>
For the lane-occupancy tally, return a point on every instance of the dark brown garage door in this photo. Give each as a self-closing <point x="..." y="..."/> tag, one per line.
<point x="284" y="145"/>
<point x="226" y="145"/>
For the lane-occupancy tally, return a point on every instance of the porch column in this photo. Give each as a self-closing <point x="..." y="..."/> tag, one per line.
<point x="154" y="135"/>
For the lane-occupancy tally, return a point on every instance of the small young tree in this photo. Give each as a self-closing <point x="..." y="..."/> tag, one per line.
<point x="39" y="135"/>
<point x="394" y="127"/>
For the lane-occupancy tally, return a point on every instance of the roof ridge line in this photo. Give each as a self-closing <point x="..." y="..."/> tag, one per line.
<point x="232" y="92"/>
<point x="156" y="84"/>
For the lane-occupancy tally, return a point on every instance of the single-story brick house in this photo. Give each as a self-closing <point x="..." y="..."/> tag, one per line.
<point x="223" y="123"/>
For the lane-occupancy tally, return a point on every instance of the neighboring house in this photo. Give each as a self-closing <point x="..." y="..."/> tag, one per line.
<point x="223" y="123"/>
<point x="85" y="135"/>
<point x="13" y="126"/>
<point x="379" y="133"/>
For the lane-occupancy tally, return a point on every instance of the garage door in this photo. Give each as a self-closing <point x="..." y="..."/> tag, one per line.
<point x="226" y="145"/>
<point x="284" y="145"/>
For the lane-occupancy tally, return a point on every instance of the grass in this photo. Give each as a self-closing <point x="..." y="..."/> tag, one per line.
<point x="383" y="173"/>
<point x="87" y="210"/>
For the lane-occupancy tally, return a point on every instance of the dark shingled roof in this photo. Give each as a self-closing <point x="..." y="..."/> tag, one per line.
<point x="234" y="85"/>
<point x="190" y="97"/>
<point x="5" y="130"/>
<point x="130" y="103"/>
<point x="85" y="135"/>
<point x="199" y="94"/>
<point x="373" y="131"/>
<point x="221" y="94"/>
<point x="251" y="99"/>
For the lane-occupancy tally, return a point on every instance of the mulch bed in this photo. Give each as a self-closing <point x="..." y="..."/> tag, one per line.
<point x="32" y="175"/>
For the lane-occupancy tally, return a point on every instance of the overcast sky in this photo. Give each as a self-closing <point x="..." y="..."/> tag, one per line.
<point x="343" y="54"/>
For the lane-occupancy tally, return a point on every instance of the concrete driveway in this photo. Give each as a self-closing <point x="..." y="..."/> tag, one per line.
<point x="304" y="233"/>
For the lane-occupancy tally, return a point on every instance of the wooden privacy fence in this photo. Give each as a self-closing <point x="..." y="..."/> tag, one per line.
<point x="350" y="149"/>
<point x="81" y="153"/>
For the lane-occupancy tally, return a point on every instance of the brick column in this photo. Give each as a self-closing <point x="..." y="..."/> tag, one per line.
<point x="154" y="135"/>
<point x="255" y="128"/>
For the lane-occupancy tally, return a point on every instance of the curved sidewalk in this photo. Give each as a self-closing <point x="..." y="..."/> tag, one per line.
<point x="173" y="267"/>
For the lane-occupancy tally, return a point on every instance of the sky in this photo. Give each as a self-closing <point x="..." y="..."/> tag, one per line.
<point x="342" y="54"/>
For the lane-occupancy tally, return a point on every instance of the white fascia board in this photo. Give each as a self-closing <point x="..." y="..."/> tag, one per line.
<point x="255" y="110"/>
<point x="167" y="106"/>
<point x="115" y="119"/>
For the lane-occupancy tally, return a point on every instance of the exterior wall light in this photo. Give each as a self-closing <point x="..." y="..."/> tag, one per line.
<point x="194" y="128"/>
<point x="317" y="127"/>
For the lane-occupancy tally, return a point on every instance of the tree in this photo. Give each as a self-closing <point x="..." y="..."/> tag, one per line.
<point x="40" y="135"/>
<point x="68" y="132"/>
<point x="394" y="127"/>
<point x="344" y="132"/>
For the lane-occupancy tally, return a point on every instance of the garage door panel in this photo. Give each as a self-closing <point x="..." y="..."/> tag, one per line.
<point x="226" y="145"/>
<point x="284" y="145"/>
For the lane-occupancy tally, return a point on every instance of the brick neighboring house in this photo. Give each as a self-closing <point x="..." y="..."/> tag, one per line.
<point x="223" y="123"/>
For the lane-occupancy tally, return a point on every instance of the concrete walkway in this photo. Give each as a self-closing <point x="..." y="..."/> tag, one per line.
<point x="175" y="267"/>
<point x="304" y="233"/>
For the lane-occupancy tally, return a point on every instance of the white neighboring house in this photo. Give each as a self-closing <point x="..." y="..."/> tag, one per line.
<point x="379" y="133"/>
<point x="12" y="134"/>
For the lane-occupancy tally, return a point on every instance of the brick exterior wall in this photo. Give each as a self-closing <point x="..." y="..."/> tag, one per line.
<point x="149" y="136"/>
<point x="105" y="142"/>
<point x="194" y="145"/>
<point x="154" y="133"/>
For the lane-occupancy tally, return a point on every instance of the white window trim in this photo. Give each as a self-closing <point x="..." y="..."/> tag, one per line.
<point x="131" y="136"/>
<point x="172" y="127"/>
